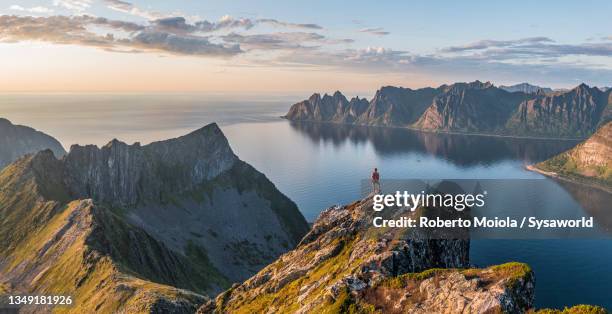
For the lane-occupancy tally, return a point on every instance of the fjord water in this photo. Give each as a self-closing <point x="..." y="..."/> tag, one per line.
<point x="320" y="165"/>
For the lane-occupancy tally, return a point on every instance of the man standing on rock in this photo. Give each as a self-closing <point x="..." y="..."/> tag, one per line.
<point x="376" y="181"/>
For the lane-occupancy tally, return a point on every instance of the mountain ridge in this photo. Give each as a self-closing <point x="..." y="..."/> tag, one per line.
<point x="154" y="227"/>
<point x="474" y="107"/>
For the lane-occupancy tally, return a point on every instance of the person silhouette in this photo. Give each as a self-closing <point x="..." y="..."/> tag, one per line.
<point x="376" y="181"/>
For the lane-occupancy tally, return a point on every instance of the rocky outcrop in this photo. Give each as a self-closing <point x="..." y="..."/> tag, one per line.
<point x="589" y="161"/>
<point x="526" y="88"/>
<point x="507" y="288"/>
<point x="18" y="140"/>
<point x="576" y="113"/>
<point x="342" y="265"/>
<point x="474" y="107"/>
<point x="154" y="227"/>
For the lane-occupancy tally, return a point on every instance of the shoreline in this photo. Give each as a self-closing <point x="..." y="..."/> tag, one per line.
<point x="443" y="131"/>
<point x="555" y="175"/>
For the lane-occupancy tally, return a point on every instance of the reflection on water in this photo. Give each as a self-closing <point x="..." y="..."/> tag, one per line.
<point x="595" y="202"/>
<point x="460" y="149"/>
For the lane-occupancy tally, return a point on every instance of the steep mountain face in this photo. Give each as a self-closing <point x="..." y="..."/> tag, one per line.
<point x="343" y="266"/>
<point x="576" y="113"/>
<point x="476" y="107"/>
<point x="135" y="228"/>
<point x="589" y="161"/>
<point x="391" y="106"/>
<point x="18" y="140"/>
<point x="526" y="88"/>
<point x="470" y="107"/>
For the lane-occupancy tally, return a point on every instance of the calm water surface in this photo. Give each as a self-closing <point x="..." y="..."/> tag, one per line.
<point x="321" y="165"/>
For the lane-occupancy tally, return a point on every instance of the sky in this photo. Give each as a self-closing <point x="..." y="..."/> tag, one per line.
<point x="299" y="46"/>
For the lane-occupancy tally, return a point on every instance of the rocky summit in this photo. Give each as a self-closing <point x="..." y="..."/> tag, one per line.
<point x="344" y="266"/>
<point x="18" y="140"/>
<point x="130" y="228"/>
<point x="475" y="107"/>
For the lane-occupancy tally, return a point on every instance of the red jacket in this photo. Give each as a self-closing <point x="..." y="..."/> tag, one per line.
<point x="375" y="176"/>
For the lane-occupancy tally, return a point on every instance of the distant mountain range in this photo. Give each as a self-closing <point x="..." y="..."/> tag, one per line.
<point x="590" y="161"/>
<point x="526" y="88"/>
<point x="474" y="107"/>
<point x="18" y="140"/>
<point x="131" y="228"/>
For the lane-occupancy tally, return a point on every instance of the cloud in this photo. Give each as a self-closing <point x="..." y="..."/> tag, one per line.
<point x="182" y="45"/>
<point x="73" y="5"/>
<point x="226" y="22"/>
<point x="227" y="37"/>
<point x="173" y="35"/>
<point x="375" y="31"/>
<point x="486" y="44"/>
<point x="37" y="9"/>
<point x="287" y="24"/>
<point x="180" y="24"/>
<point x="281" y="40"/>
<point x="533" y="48"/>
<point x="75" y="30"/>
<point x="129" y="8"/>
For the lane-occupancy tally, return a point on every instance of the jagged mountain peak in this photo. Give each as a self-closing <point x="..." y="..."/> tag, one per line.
<point x="315" y="97"/>
<point x="462" y="86"/>
<point x="337" y="94"/>
<point x="584" y="88"/>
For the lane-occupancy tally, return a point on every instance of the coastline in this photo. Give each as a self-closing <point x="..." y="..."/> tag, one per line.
<point x="555" y="175"/>
<point x="443" y="131"/>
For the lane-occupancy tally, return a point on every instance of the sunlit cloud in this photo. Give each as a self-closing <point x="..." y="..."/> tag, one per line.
<point x="74" y="30"/>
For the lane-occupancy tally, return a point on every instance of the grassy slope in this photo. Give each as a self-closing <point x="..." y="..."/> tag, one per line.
<point x="568" y="166"/>
<point x="48" y="245"/>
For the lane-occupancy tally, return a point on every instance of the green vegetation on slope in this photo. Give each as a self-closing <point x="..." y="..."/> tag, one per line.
<point x="577" y="309"/>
